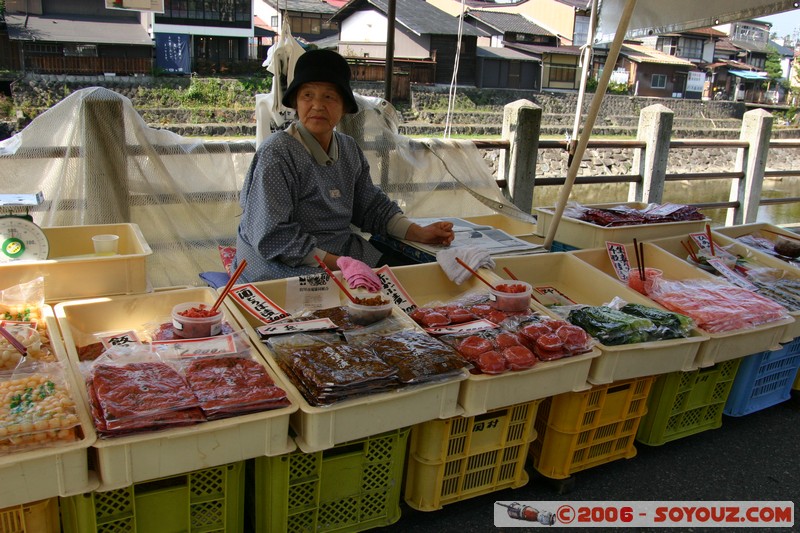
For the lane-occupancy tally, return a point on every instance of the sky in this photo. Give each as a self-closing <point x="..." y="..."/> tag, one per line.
<point x="784" y="23"/>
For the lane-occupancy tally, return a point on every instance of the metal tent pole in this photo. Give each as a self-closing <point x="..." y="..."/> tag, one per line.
<point x="594" y="109"/>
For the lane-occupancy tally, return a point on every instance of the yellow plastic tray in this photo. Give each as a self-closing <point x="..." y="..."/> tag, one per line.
<point x="73" y="271"/>
<point x="57" y="471"/>
<point x="580" y="234"/>
<point x="719" y="346"/>
<point x="122" y="461"/>
<point x="766" y="230"/>
<point x="583" y="284"/>
<point x="755" y="260"/>
<point x="320" y="428"/>
<point x="482" y="392"/>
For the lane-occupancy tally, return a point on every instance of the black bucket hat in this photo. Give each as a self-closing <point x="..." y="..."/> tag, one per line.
<point x="325" y="66"/>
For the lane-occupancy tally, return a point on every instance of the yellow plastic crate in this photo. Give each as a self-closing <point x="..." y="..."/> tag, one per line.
<point x="72" y="270"/>
<point x="580" y="430"/>
<point x="36" y="517"/>
<point x="463" y="457"/>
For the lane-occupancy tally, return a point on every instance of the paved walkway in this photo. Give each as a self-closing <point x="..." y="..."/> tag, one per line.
<point x="750" y="458"/>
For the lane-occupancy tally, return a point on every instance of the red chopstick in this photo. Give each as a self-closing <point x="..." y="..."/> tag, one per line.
<point x="334" y="278"/>
<point x="688" y="248"/>
<point x="463" y="264"/>
<point x="229" y="285"/>
<point x="710" y="239"/>
<point x="13" y="341"/>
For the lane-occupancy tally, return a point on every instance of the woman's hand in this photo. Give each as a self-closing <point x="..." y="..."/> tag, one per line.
<point x="436" y="233"/>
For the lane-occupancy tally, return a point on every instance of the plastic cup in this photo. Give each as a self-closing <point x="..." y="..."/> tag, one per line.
<point x="193" y="327"/>
<point x="369" y="310"/>
<point x="106" y="244"/>
<point x="650" y="276"/>
<point x="511" y="296"/>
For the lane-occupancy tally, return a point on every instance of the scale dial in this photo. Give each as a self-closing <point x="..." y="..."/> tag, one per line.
<point x="21" y="240"/>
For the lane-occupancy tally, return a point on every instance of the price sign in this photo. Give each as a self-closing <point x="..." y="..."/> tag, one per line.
<point x="317" y="324"/>
<point x="395" y="290"/>
<point x="257" y="304"/>
<point x="466" y="327"/>
<point x="200" y="347"/>
<point x="730" y="275"/>
<point x="552" y="296"/>
<point x="619" y="260"/>
<point x="125" y="338"/>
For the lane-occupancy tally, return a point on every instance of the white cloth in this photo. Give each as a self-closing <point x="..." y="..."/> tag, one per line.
<point x="473" y="256"/>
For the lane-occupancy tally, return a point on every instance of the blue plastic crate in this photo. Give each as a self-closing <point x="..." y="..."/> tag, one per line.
<point x="764" y="379"/>
<point x="562" y="247"/>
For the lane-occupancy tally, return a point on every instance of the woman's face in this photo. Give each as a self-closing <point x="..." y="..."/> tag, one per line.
<point x="319" y="108"/>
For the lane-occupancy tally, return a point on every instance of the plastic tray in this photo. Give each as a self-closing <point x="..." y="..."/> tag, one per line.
<point x="754" y="260"/>
<point x="57" y="471"/>
<point x="579" y="234"/>
<point x="353" y="487"/>
<point x="686" y="403"/>
<point x="764" y="380"/>
<point x="73" y="271"/>
<point x="481" y="393"/>
<point x="580" y="430"/>
<point x="766" y="230"/>
<point x="719" y="346"/>
<point x="320" y="428"/>
<point x="122" y="461"/>
<point x="586" y="285"/>
<point x="463" y="457"/>
<point x="210" y="499"/>
<point x="35" y="517"/>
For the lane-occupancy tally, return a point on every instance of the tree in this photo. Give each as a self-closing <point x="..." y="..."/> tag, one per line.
<point x="773" y="66"/>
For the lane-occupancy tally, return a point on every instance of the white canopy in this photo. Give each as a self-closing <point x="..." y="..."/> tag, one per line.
<point x="621" y="19"/>
<point x="652" y="17"/>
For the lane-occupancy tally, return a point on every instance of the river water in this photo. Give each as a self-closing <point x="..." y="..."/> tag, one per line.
<point x="684" y="191"/>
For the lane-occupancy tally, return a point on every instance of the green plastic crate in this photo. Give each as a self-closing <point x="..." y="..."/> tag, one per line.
<point x="685" y="403"/>
<point x="208" y="500"/>
<point x="351" y="487"/>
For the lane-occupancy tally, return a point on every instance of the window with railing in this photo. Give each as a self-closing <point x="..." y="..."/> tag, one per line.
<point x="562" y="73"/>
<point x="80" y="50"/>
<point x="232" y="13"/>
<point x="310" y="23"/>
<point x="690" y="48"/>
<point x="580" y="30"/>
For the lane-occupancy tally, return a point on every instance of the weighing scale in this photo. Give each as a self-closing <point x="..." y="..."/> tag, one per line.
<point x="21" y="239"/>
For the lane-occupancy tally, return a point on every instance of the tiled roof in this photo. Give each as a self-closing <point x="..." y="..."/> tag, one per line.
<point x="640" y="53"/>
<point x="418" y="16"/>
<point x="504" y="53"/>
<point x="70" y="29"/>
<point x="541" y="49"/>
<point x="303" y="6"/>
<point x="503" y="22"/>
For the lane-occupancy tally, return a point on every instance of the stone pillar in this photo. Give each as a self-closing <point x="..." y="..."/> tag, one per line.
<point x="104" y="158"/>
<point x="522" y="121"/>
<point x="756" y="131"/>
<point x="655" y="129"/>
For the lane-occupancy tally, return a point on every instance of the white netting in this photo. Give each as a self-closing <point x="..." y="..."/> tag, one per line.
<point x="97" y="162"/>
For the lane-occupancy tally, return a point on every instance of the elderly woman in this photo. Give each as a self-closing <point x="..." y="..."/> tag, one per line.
<point x="307" y="184"/>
